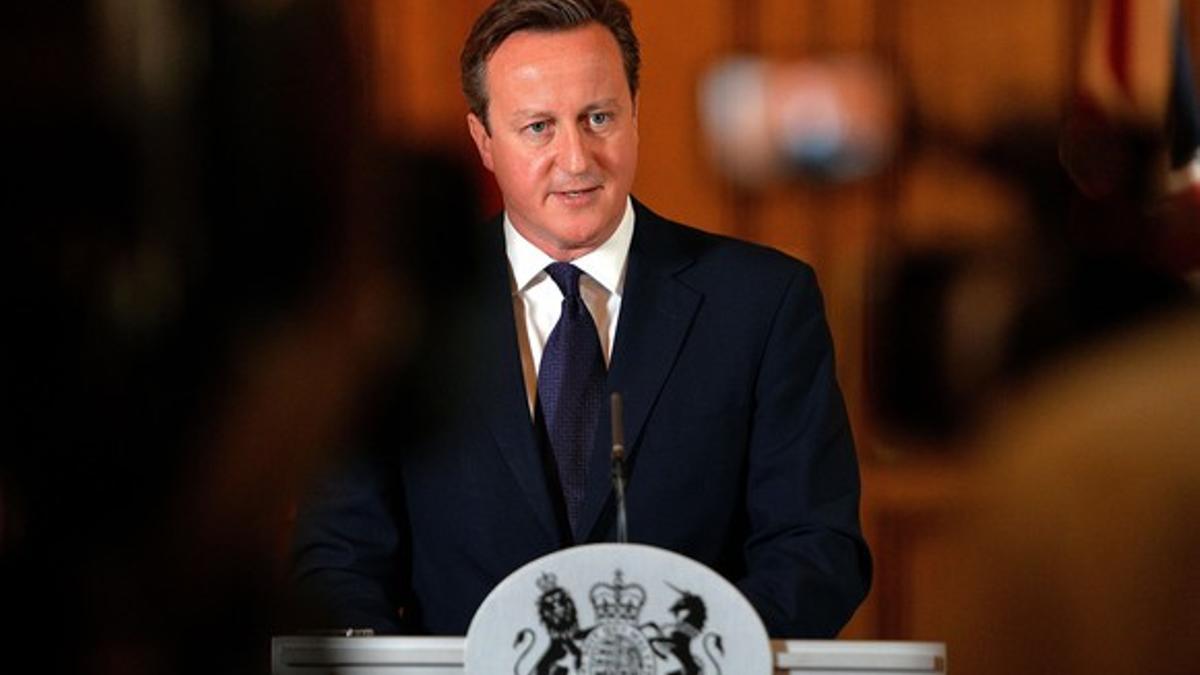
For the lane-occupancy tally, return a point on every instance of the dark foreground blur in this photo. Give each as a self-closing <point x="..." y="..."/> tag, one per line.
<point x="208" y="270"/>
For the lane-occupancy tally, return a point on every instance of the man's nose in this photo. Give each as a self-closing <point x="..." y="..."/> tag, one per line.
<point x="574" y="155"/>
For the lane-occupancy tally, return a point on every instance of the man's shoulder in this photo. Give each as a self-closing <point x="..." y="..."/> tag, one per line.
<point x="708" y="251"/>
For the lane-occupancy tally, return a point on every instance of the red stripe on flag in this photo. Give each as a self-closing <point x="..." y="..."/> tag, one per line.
<point x="1118" y="42"/>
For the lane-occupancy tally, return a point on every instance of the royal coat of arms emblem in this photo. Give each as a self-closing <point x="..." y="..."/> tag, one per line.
<point x="616" y="609"/>
<point x="616" y="644"/>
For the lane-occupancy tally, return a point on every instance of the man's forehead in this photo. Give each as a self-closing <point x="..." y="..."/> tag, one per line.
<point x="566" y="72"/>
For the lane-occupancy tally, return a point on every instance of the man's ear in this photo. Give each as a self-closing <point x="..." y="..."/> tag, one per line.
<point x="483" y="140"/>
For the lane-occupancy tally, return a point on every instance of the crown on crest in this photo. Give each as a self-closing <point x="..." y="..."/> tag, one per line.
<point x="618" y="600"/>
<point x="547" y="582"/>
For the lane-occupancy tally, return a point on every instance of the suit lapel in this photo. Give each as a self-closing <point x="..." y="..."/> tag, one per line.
<point x="501" y="389"/>
<point x="656" y="313"/>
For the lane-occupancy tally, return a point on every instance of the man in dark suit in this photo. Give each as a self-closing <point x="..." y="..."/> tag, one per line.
<point x="739" y="450"/>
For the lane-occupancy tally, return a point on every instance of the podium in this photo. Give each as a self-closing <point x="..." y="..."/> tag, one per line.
<point x="300" y="655"/>
<point x="607" y="609"/>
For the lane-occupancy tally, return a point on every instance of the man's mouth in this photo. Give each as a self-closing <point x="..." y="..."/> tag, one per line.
<point x="576" y="194"/>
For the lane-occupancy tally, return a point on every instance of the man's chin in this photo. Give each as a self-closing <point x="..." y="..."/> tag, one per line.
<point x="577" y="239"/>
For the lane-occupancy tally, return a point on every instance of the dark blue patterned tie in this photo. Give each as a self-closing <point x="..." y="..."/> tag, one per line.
<point x="571" y="387"/>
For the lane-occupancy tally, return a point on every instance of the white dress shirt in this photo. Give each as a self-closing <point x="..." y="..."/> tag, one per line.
<point x="537" y="302"/>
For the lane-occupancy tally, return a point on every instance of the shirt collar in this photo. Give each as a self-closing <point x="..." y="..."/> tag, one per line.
<point x="605" y="264"/>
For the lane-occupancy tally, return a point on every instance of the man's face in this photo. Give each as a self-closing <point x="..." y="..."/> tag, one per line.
<point x="563" y="141"/>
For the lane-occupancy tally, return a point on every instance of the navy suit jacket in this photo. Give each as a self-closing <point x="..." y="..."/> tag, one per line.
<point x="739" y="452"/>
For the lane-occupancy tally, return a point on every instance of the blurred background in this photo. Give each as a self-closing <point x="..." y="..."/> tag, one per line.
<point x="224" y="220"/>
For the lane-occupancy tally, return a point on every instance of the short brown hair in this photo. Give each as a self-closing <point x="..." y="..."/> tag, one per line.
<point x="505" y="17"/>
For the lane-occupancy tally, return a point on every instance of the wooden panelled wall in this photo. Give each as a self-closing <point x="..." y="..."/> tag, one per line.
<point x="965" y="68"/>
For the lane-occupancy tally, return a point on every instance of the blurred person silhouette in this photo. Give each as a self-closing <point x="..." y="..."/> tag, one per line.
<point x="203" y="287"/>
<point x="1082" y="552"/>
<point x="1013" y="286"/>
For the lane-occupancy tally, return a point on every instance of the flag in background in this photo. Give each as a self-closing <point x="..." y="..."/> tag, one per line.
<point x="1132" y="131"/>
<point x="1183" y="114"/>
<point x="1135" y="77"/>
<point x="1126" y="62"/>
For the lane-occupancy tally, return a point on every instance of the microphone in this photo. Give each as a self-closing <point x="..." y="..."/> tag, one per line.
<point x="618" y="464"/>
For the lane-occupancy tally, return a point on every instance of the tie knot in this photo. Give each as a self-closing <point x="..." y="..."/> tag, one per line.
<point x="566" y="276"/>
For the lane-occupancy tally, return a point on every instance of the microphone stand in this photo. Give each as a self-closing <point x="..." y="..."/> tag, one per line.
<point x="618" y="464"/>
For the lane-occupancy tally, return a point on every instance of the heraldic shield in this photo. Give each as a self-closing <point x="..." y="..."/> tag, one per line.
<point x="616" y="609"/>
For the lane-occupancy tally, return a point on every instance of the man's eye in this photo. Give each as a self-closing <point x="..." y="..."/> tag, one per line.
<point x="599" y="119"/>
<point x="538" y="127"/>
